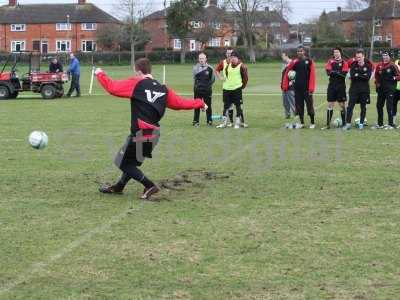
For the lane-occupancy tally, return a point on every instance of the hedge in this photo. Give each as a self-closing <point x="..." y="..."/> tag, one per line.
<point x="171" y="57"/>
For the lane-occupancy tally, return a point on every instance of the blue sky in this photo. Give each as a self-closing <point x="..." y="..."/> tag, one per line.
<point x="302" y="9"/>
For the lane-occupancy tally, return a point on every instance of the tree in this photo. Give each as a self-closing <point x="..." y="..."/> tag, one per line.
<point x="108" y="36"/>
<point x="179" y="17"/>
<point x="246" y="12"/>
<point x="326" y="31"/>
<point x="132" y="13"/>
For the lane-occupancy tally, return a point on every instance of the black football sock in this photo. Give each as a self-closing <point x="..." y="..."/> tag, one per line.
<point x="123" y="181"/>
<point x="147" y="182"/>
<point x="343" y="115"/>
<point x="363" y="113"/>
<point x="301" y="119"/>
<point x="312" y="119"/>
<point x="230" y="112"/>
<point x="242" y="117"/>
<point x="329" y="114"/>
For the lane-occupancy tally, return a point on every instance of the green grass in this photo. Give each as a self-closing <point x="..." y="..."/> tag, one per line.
<point x="303" y="215"/>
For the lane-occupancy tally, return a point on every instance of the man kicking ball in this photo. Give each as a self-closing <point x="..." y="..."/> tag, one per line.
<point x="149" y="100"/>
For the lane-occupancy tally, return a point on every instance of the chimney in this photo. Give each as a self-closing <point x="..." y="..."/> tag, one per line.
<point x="267" y="9"/>
<point x="81" y="1"/>
<point x="339" y="10"/>
<point x="212" y="3"/>
<point x="12" y="3"/>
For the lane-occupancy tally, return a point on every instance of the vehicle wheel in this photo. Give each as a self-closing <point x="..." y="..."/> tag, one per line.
<point x="48" y="92"/>
<point x="14" y="95"/>
<point x="4" y="92"/>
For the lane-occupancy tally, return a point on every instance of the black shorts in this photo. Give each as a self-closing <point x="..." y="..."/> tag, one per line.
<point x="359" y="97"/>
<point x="134" y="151"/>
<point x="337" y="93"/>
<point x="235" y="96"/>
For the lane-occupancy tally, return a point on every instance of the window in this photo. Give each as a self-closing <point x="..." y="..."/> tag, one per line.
<point x="177" y="44"/>
<point x="192" y="45"/>
<point x="377" y="38"/>
<point x="195" y="24"/>
<point x="63" y="26"/>
<point x="88" y="46"/>
<point x="89" y="26"/>
<point x="63" y="46"/>
<point x="214" y="42"/>
<point x="215" y="25"/>
<point x="277" y="36"/>
<point x="36" y="45"/>
<point x="275" y="24"/>
<point x="389" y="37"/>
<point x="227" y="43"/>
<point x="17" y="46"/>
<point x="18" y="27"/>
<point x="378" y="22"/>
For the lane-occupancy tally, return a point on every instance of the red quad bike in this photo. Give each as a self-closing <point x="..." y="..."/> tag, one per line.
<point x="50" y="85"/>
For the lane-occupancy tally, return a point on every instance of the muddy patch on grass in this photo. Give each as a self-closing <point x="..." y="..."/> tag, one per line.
<point x="187" y="180"/>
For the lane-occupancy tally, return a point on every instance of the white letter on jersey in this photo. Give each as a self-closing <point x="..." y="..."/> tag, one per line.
<point x="154" y="98"/>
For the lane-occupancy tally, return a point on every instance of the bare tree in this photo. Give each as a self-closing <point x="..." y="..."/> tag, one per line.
<point x="355" y="5"/>
<point x="246" y="14"/>
<point x="132" y="11"/>
<point x="108" y="36"/>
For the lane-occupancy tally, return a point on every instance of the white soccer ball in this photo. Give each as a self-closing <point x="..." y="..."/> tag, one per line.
<point x="291" y="75"/>
<point x="337" y="122"/>
<point x="38" y="139"/>
<point x="357" y="122"/>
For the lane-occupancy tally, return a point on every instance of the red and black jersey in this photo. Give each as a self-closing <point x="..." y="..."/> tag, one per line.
<point x="360" y="75"/>
<point x="337" y="71"/>
<point x="149" y="99"/>
<point x="386" y="76"/>
<point x="305" y="75"/>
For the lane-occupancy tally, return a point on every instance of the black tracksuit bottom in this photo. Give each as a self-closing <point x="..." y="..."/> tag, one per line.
<point x="388" y="97"/>
<point x="302" y="97"/>
<point x="206" y="96"/>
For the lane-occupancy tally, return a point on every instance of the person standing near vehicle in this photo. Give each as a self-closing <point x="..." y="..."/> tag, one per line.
<point x="75" y="71"/>
<point x="55" y="66"/>
<point x="204" y="78"/>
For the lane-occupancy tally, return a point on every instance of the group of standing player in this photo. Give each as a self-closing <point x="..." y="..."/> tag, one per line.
<point x="299" y="89"/>
<point x="234" y="75"/>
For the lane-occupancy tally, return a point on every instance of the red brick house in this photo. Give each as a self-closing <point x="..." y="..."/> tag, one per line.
<point x="225" y="30"/>
<point x="51" y="28"/>
<point x="387" y="24"/>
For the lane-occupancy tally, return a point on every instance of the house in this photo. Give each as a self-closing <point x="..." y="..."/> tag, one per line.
<point x="212" y="19"/>
<point x="51" y="28"/>
<point x="271" y="25"/>
<point x="387" y="24"/>
<point x="213" y="27"/>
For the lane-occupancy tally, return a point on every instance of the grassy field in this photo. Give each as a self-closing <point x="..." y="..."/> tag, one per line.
<point x="257" y="213"/>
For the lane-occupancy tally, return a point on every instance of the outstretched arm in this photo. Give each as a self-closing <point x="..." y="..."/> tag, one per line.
<point x="118" y="88"/>
<point x="177" y="102"/>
